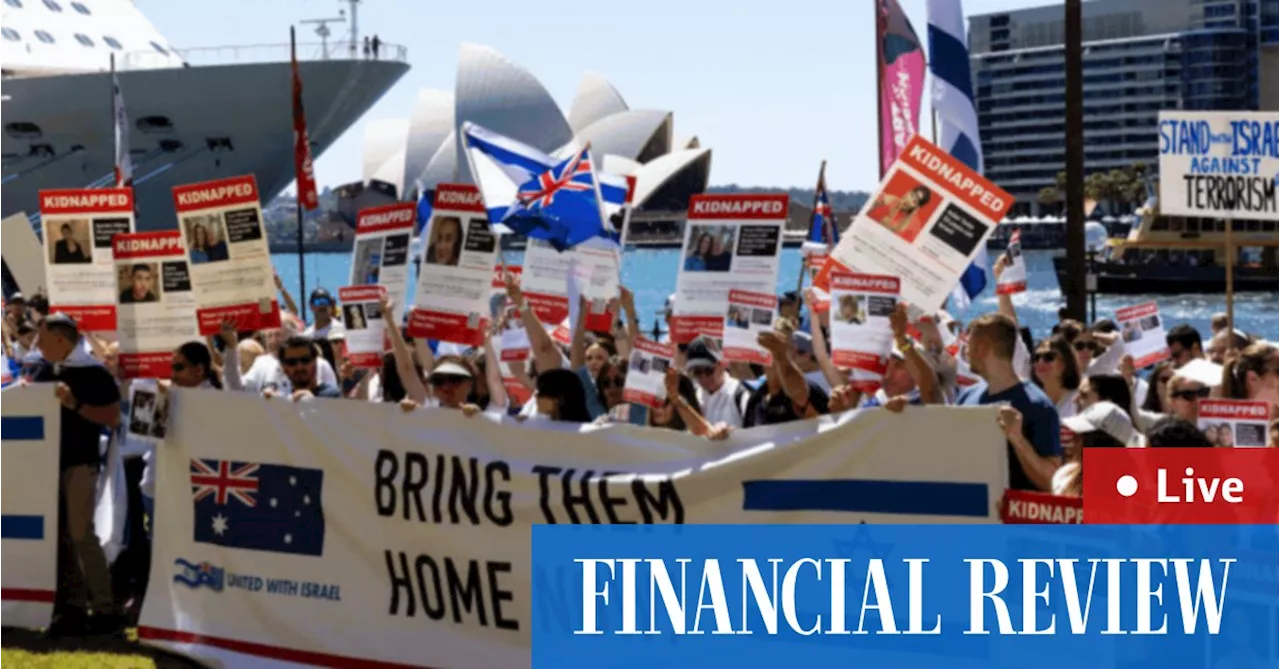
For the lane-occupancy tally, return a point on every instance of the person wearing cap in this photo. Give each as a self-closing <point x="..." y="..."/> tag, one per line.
<point x="90" y="401"/>
<point x="1103" y="424"/>
<point x="297" y="356"/>
<point x="803" y="356"/>
<point x="322" y="306"/>
<point x="723" y="398"/>
<point x="15" y="310"/>
<point x="451" y="379"/>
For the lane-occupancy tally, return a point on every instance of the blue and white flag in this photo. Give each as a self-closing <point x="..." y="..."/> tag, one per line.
<point x="561" y="205"/>
<point x="957" y="117"/>
<point x="501" y="166"/>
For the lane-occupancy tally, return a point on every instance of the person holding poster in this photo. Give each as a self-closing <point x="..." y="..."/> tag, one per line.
<point x="926" y="223"/>
<point x="646" y="373"/>
<point x="380" y="255"/>
<point x="365" y="333"/>
<point x="221" y="224"/>
<point x="156" y="304"/>
<point x="79" y="270"/>
<point x="1235" y="423"/>
<point x="1011" y="268"/>
<point x="452" y="302"/>
<point x="861" y="336"/>
<point x="749" y="315"/>
<point x="730" y="242"/>
<point x="1143" y="335"/>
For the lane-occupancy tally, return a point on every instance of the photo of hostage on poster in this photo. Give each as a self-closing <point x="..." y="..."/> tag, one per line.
<point x="861" y="337"/>
<point x="148" y="410"/>
<point x="1143" y="334"/>
<point x="221" y="225"/>
<point x="79" y="269"/>
<point x="749" y="314"/>
<point x="380" y="255"/>
<point x="647" y="372"/>
<point x="731" y="242"/>
<point x="929" y="218"/>
<point x="366" y="331"/>
<point x="1235" y="423"/>
<point x="455" y="280"/>
<point x="156" y="306"/>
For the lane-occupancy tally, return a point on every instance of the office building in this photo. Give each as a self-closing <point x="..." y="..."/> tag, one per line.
<point x="1140" y="56"/>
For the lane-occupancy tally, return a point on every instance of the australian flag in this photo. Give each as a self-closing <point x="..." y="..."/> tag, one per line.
<point x="822" y="228"/>
<point x="258" y="507"/>
<point x="561" y="205"/>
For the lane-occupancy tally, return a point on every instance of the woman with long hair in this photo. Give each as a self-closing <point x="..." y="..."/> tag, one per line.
<point x="610" y="381"/>
<point x="1105" y="388"/>
<point x="445" y="247"/>
<point x="1251" y="374"/>
<point x="199" y="244"/>
<point x="192" y="367"/>
<point x="1156" y="400"/>
<point x="696" y="261"/>
<point x="899" y="214"/>
<point x="561" y="398"/>
<point x="1054" y="369"/>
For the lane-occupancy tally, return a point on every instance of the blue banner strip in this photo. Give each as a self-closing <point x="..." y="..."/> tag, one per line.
<point x="868" y="496"/>
<point x="22" y="428"/>
<point x="22" y="527"/>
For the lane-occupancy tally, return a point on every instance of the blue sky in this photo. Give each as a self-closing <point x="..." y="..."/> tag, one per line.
<point x="773" y="87"/>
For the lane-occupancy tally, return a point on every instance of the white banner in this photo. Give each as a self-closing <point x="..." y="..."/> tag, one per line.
<point x="1143" y="334"/>
<point x="730" y="242"/>
<point x="221" y="224"/>
<point x="452" y="302"/>
<point x="1235" y="423"/>
<point x="861" y="337"/>
<point x="31" y="424"/>
<point x="380" y="256"/>
<point x="366" y="331"/>
<point x="1219" y="164"/>
<point x="929" y="218"/>
<point x="79" y="270"/>
<point x="297" y="534"/>
<point x="1014" y="277"/>
<point x="157" y="308"/>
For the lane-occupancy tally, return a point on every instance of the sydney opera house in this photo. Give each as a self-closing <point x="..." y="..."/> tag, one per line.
<point x="407" y="156"/>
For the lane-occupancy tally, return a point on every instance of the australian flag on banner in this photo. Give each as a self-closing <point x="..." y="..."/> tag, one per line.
<point x="561" y="205"/>
<point x="258" y="507"/>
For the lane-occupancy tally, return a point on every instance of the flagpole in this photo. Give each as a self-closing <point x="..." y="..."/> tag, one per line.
<point x="876" y="6"/>
<point x="803" y="258"/>
<point x="111" y="89"/>
<point x="302" y="267"/>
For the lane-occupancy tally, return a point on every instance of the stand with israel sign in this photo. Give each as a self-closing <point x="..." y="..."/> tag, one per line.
<point x="1220" y="164"/>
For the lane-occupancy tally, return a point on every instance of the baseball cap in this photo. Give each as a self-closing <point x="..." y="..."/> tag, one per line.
<point x="1103" y="417"/>
<point x="17" y="297"/>
<point x="789" y="297"/>
<point x="701" y="354"/>
<point x="321" y="295"/>
<point x="63" y="321"/>
<point x="1205" y="372"/>
<point x="802" y="342"/>
<point x="450" y="369"/>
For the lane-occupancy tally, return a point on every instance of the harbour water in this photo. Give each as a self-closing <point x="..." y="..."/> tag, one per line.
<point x="651" y="274"/>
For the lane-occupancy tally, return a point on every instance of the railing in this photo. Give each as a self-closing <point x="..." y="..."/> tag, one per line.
<point x="258" y="53"/>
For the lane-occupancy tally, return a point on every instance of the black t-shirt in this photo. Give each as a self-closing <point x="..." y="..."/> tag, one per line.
<point x="772" y="410"/>
<point x="91" y="385"/>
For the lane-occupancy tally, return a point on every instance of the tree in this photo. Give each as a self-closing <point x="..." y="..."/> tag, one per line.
<point x="1049" y="197"/>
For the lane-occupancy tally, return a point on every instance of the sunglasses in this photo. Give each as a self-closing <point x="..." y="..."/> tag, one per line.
<point x="703" y="371"/>
<point x="447" y="379"/>
<point x="611" y="382"/>
<point x="1047" y="356"/>
<point x="1190" y="395"/>
<point x="1086" y="346"/>
<point x="294" y="362"/>
<point x="178" y="367"/>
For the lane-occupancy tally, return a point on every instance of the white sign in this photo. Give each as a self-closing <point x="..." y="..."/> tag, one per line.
<point x="860" y="334"/>
<point x="730" y="242"/>
<point x="592" y="266"/>
<point x="221" y="224"/>
<point x="1219" y="164"/>
<point x="646" y="373"/>
<point x="148" y="410"/>
<point x="517" y="392"/>
<point x="23" y="254"/>
<point x="157" y="308"/>
<point x="380" y="256"/>
<point x="452" y="302"/>
<point x="929" y="219"/>
<point x="32" y="424"/>
<point x="1014" y="277"/>
<point x="297" y="534"/>
<point x="366" y="331"/>
<point x="1235" y="423"/>
<point x="1143" y="334"/>
<point x="79" y="270"/>
<point x="749" y="314"/>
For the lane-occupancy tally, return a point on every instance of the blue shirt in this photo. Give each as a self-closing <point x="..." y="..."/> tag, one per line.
<point x="1039" y="422"/>
<point x="594" y="407"/>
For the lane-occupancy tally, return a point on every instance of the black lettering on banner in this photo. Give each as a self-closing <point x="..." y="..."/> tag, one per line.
<point x="757" y="240"/>
<point x="174" y="277"/>
<point x="1230" y="193"/>
<point x="106" y="228"/>
<point x="384" y="482"/>
<point x="242" y="225"/>
<point x="667" y="503"/>
<point x="583" y="498"/>
<point x="610" y="503"/>
<point x="957" y="229"/>
<point x="438" y="493"/>
<point x="502" y="516"/>
<point x="497" y="595"/>
<point x="415" y="479"/>
<point x="465" y="594"/>
<point x="479" y="236"/>
<point x="434" y="610"/>
<point x="544" y="472"/>
<point x="395" y="250"/>
<point x="398" y="581"/>
<point x="461" y="590"/>
<point x="465" y="488"/>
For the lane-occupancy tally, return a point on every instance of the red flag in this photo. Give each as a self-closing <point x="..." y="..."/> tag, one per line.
<point x="301" y="145"/>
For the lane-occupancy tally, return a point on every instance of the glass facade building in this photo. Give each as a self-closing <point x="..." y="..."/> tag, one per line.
<point x="1140" y="56"/>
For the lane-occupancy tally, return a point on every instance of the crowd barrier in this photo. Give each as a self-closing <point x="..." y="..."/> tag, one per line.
<point x="347" y="533"/>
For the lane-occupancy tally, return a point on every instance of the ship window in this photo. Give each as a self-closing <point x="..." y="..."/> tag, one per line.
<point x="84" y="39"/>
<point x="17" y="4"/>
<point x="53" y="6"/>
<point x="155" y="124"/>
<point x="111" y="42"/>
<point x="159" y="48"/>
<point x="81" y="8"/>
<point x="11" y="34"/>
<point x="44" y="37"/>
<point x="22" y="130"/>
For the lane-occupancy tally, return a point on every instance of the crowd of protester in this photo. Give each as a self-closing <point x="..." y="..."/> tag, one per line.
<point x="1077" y="377"/>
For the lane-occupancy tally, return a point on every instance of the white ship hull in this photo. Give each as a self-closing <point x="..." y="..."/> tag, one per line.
<point x="248" y="104"/>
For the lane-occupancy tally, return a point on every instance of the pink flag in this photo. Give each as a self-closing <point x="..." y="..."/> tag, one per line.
<point x="902" y="67"/>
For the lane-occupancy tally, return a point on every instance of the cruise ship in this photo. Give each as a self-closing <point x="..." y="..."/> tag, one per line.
<point x="194" y="114"/>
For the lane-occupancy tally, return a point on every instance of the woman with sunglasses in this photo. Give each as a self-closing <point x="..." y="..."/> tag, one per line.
<point x="1054" y="370"/>
<point x="1156" y="400"/>
<point x="610" y="381"/>
<point x="561" y="398"/>
<point x="1184" y="395"/>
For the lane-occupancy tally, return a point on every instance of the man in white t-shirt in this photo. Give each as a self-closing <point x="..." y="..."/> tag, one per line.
<point x="322" y="306"/>
<point x="266" y="373"/>
<point x="722" y="397"/>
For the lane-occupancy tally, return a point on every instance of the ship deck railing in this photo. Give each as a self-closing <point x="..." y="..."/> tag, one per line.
<point x="257" y="53"/>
